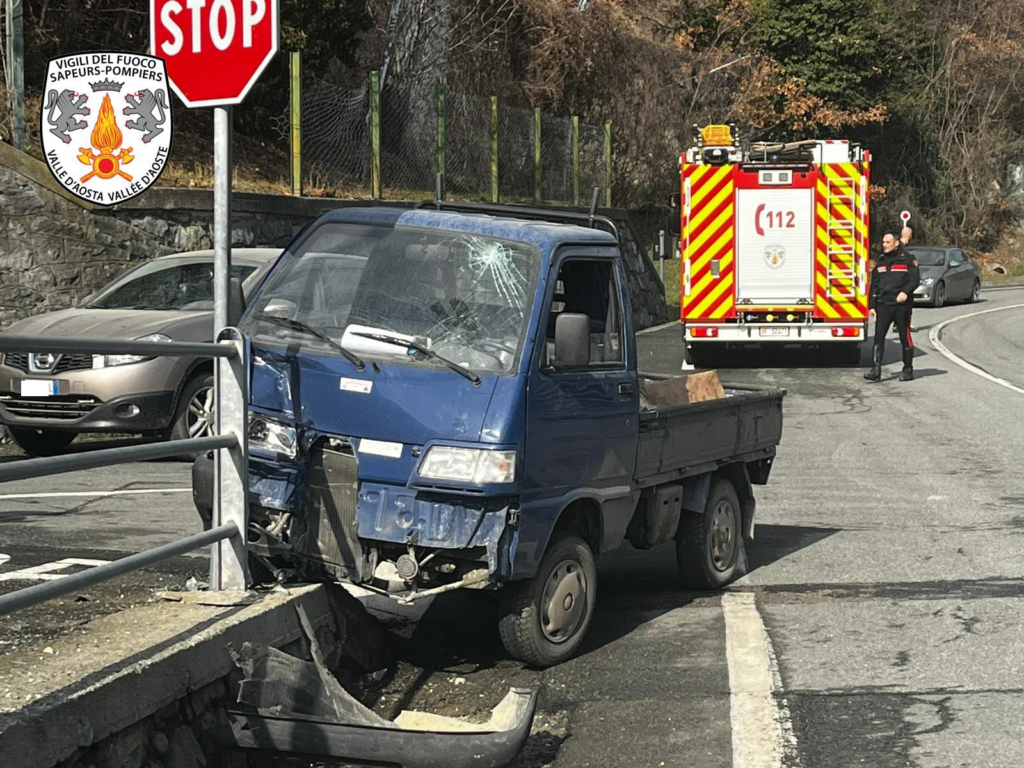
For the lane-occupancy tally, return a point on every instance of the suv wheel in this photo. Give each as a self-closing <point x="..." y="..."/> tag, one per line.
<point x="196" y="409"/>
<point x="41" y="442"/>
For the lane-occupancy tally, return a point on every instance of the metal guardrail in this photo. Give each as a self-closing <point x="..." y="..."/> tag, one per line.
<point x="228" y="564"/>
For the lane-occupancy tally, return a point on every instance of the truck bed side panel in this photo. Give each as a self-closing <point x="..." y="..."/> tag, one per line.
<point x="686" y="439"/>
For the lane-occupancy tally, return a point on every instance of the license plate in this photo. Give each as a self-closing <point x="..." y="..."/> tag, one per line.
<point x="775" y="331"/>
<point x="38" y="388"/>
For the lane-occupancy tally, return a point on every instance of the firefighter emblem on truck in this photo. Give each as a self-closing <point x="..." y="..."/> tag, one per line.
<point x="107" y="158"/>
<point x="774" y="256"/>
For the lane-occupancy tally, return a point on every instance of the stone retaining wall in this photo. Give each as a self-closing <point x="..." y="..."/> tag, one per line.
<point x="56" y="250"/>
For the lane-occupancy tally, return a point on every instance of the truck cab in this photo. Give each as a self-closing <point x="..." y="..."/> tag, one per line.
<point x="448" y="398"/>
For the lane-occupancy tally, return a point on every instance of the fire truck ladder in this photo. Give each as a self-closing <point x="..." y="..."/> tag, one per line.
<point x="841" y="205"/>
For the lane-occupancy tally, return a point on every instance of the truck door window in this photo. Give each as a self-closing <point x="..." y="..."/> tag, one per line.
<point x="589" y="288"/>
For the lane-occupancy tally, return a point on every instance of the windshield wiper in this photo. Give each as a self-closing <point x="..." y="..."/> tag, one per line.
<point x="298" y="325"/>
<point x="400" y="342"/>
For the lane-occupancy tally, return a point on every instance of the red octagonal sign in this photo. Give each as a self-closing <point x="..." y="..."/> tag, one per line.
<point x="214" y="49"/>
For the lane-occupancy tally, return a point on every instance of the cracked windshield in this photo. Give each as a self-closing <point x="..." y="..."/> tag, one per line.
<point x="382" y="293"/>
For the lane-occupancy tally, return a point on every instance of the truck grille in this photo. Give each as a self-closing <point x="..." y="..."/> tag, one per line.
<point x="62" y="407"/>
<point x="65" y="363"/>
<point x="328" y="524"/>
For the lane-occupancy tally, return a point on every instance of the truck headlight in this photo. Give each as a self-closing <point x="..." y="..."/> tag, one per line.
<point x="272" y="436"/>
<point x="111" y="360"/>
<point x="469" y="465"/>
<point x="926" y="281"/>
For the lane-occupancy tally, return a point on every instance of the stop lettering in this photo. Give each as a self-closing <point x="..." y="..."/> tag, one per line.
<point x="215" y="49"/>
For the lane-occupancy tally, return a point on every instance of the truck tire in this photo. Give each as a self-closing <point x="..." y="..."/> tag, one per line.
<point x="41" y="442"/>
<point x="849" y="353"/>
<point x="543" y="620"/>
<point x="698" y="355"/>
<point x="708" y="544"/>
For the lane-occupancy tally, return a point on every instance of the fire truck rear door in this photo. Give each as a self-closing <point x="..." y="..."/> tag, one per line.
<point x="775" y="246"/>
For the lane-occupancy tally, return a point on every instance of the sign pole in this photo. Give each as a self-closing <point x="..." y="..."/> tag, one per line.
<point x="221" y="216"/>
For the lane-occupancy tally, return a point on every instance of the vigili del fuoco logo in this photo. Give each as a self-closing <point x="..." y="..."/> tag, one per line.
<point x="106" y="124"/>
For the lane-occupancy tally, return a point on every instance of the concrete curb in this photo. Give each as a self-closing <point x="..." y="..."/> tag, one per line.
<point x="159" y="654"/>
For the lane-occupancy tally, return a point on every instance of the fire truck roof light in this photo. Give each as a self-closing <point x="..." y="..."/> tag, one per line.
<point x="717" y="135"/>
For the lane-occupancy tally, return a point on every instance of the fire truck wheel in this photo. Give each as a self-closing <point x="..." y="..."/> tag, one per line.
<point x="708" y="545"/>
<point x="939" y="295"/>
<point x="849" y="353"/>
<point x="698" y="355"/>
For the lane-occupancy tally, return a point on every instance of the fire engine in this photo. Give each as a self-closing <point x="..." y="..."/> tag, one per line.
<point x="774" y="244"/>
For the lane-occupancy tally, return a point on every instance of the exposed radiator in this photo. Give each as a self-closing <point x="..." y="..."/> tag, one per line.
<point x="328" y="524"/>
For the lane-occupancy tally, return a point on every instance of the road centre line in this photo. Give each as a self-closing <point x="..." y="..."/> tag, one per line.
<point x="933" y="337"/>
<point x="86" y="494"/>
<point x="759" y="720"/>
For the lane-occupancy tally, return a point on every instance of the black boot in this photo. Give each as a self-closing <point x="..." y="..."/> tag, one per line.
<point x="907" y="374"/>
<point x="876" y="364"/>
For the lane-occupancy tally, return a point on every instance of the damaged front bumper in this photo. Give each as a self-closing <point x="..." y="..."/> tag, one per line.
<point x="315" y="519"/>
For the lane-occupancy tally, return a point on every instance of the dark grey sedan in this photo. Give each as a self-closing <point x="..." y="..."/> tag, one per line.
<point x="947" y="274"/>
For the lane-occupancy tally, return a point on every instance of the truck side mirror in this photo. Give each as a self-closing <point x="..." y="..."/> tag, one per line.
<point x="674" y="223"/>
<point x="572" y="341"/>
<point x="236" y="302"/>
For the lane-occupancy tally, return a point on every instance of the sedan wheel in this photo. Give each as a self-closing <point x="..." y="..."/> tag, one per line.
<point x="975" y="291"/>
<point x="201" y="413"/>
<point x="939" y="297"/>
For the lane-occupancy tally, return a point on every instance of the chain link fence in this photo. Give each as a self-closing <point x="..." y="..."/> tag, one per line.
<point x="424" y="131"/>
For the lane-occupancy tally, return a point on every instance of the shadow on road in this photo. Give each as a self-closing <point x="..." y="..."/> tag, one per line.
<point x="458" y="632"/>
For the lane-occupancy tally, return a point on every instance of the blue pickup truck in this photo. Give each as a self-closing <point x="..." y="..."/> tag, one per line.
<point x="448" y="397"/>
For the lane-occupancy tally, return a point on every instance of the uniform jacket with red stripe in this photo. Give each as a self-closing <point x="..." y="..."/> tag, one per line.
<point x="894" y="273"/>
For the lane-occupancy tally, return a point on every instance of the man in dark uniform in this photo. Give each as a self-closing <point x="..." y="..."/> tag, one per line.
<point x="893" y="282"/>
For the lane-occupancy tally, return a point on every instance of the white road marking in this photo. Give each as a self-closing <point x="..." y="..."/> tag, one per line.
<point x="4" y="558"/>
<point x="933" y="337"/>
<point x="46" y="571"/>
<point x="654" y="328"/>
<point x="86" y="494"/>
<point x="761" y="728"/>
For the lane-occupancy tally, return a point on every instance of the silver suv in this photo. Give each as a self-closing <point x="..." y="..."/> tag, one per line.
<point x="47" y="399"/>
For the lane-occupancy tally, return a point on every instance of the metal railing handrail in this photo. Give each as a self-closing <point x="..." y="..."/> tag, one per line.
<point x="65" y="585"/>
<point x="228" y="561"/>
<point x="108" y="457"/>
<point x="17" y="343"/>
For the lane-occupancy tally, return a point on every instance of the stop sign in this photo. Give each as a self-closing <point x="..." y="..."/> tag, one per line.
<point x="214" y="49"/>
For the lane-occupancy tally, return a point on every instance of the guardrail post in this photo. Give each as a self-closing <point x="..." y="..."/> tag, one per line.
<point x="442" y="139"/>
<point x="375" y="185"/>
<point x="538" y="184"/>
<point x="494" y="149"/>
<point x="608" y="164"/>
<point x="296" y="122"/>
<point x="229" y="562"/>
<point x="575" y="159"/>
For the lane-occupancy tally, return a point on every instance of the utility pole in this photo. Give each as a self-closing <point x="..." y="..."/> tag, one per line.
<point x="16" y="69"/>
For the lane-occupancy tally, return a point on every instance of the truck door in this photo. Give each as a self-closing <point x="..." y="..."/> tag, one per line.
<point x="582" y="421"/>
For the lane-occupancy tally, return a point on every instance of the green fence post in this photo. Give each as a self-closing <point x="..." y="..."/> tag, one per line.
<point x="608" y="165"/>
<point x="375" y="185"/>
<point x="296" y="122"/>
<point x="538" y="190"/>
<point x="441" y="135"/>
<point x="575" y="159"/>
<point x="494" y="149"/>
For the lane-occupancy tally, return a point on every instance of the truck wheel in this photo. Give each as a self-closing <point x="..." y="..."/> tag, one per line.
<point x="543" y="619"/>
<point x="708" y="544"/>
<point x="697" y="355"/>
<point x="41" y="442"/>
<point x="849" y="353"/>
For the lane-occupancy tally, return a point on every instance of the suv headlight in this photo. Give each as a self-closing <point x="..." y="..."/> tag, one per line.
<point x="272" y="436"/>
<point x="110" y="360"/>
<point x="469" y="465"/>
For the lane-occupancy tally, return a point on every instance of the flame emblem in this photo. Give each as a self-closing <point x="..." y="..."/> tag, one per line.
<point x="106" y="139"/>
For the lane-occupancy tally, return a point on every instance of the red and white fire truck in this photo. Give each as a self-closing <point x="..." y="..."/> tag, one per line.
<point x="774" y="244"/>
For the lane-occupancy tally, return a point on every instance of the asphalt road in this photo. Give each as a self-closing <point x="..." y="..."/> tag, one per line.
<point x="887" y="569"/>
